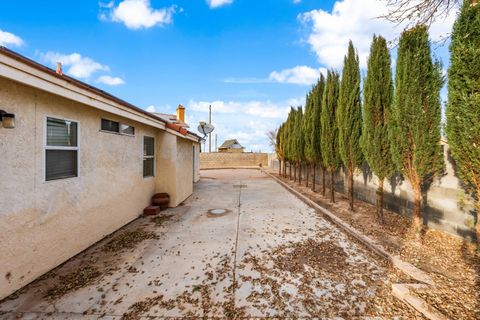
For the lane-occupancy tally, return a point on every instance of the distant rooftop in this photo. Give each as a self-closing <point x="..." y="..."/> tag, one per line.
<point x="231" y="144"/>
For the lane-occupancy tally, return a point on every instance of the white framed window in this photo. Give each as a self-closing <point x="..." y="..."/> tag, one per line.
<point x="148" y="157"/>
<point x="61" y="149"/>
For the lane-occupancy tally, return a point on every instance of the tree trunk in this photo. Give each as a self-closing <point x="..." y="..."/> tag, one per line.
<point x="380" y="201"/>
<point x="350" y="188"/>
<point x="279" y="167"/>
<point x="332" y="187"/>
<point x="313" y="177"/>
<point x="307" y="167"/>
<point x="417" y="211"/>
<point x="290" y="170"/>
<point x="284" y="168"/>
<point x="294" y="173"/>
<point x="300" y="173"/>
<point x="477" y="226"/>
<point x="323" y="181"/>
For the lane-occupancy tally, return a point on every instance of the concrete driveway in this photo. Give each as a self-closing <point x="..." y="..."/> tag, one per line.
<point x="269" y="255"/>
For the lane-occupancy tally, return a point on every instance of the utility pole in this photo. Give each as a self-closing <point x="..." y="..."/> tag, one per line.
<point x="216" y="143"/>
<point x="210" y="134"/>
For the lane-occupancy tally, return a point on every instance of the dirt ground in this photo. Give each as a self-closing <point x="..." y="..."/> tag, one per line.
<point x="268" y="255"/>
<point x="453" y="263"/>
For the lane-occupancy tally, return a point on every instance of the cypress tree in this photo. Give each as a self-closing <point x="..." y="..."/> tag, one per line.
<point x="416" y="115"/>
<point x="284" y="147"/>
<point x="293" y="143"/>
<point x="307" y="129"/>
<point x="329" y="138"/>
<point x="317" y="95"/>
<point x="279" y="148"/>
<point x="299" y="143"/>
<point x="463" y="109"/>
<point x="349" y="117"/>
<point x="377" y="102"/>
<point x="289" y="141"/>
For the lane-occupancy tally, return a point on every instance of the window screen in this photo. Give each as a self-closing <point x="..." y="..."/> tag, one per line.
<point x="61" y="151"/>
<point x="126" y="129"/>
<point x="148" y="156"/>
<point x="61" y="133"/>
<point x="109" y="125"/>
<point x="61" y="164"/>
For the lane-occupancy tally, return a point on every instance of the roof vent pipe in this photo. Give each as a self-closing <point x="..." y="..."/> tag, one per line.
<point x="59" y="68"/>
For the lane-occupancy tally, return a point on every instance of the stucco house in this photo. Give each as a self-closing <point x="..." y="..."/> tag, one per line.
<point x="232" y="146"/>
<point x="76" y="164"/>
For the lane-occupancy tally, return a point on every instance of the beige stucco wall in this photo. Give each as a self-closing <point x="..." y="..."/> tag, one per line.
<point x="185" y="175"/>
<point x="196" y="164"/>
<point x="210" y="160"/>
<point x="42" y="224"/>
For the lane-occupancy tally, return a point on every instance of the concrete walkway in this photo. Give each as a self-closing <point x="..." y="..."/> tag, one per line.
<point x="269" y="255"/>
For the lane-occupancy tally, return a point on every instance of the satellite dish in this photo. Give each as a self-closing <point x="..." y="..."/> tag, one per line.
<point x="205" y="128"/>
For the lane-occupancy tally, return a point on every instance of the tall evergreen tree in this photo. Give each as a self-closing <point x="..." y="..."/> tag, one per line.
<point x="299" y="143"/>
<point x="329" y="138"/>
<point x="284" y="144"/>
<point x="317" y="97"/>
<point x="349" y="117"/>
<point x="377" y="102"/>
<point x="463" y="110"/>
<point x="317" y="128"/>
<point x="307" y="129"/>
<point x="289" y="141"/>
<point x="415" y="130"/>
<point x="279" y="148"/>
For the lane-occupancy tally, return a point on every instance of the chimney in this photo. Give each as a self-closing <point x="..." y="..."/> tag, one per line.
<point x="181" y="113"/>
<point x="59" y="68"/>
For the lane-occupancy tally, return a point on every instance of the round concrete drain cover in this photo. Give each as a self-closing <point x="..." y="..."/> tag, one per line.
<point x="217" y="212"/>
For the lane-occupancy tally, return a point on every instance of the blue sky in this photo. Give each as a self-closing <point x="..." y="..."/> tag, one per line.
<point x="250" y="59"/>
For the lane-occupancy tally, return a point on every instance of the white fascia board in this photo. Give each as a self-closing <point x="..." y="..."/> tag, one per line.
<point x="27" y="75"/>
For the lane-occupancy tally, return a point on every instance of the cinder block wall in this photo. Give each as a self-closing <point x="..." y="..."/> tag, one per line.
<point x="446" y="207"/>
<point x="218" y="160"/>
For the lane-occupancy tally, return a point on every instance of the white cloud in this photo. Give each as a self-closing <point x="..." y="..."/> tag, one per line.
<point x="137" y="14"/>
<point x="297" y="1"/>
<point x="248" y="121"/>
<point x="160" y="109"/>
<point x="78" y="66"/>
<point x="357" y="21"/>
<point x="297" y="75"/>
<point x="7" y="39"/>
<point x="108" y="5"/>
<point x="261" y="109"/>
<point x="218" y="3"/>
<point x="302" y="75"/>
<point x="151" y="109"/>
<point x="111" y="81"/>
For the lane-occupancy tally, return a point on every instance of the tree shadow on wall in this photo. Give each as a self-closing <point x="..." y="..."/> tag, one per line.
<point x="468" y="191"/>
<point x="366" y="173"/>
<point x="395" y="180"/>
